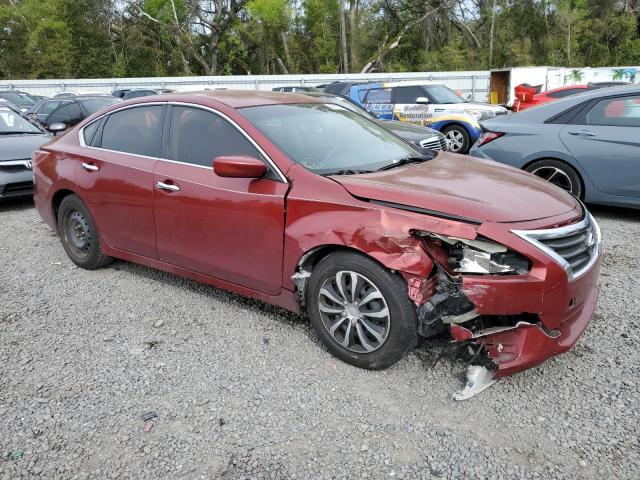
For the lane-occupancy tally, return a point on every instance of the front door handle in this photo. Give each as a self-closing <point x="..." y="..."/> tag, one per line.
<point x="582" y="133"/>
<point x="89" y="167"/>
<point x="169" y="187"/>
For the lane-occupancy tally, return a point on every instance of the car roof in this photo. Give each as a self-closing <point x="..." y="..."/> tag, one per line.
<point x="566" y="87"/>
<point x="410" y="83"/>
<point x="232" y="98"/>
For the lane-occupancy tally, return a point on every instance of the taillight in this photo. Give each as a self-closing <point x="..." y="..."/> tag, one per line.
<point x="487" y="137"/>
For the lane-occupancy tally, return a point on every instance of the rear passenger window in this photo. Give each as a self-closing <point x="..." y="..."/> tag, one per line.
<point x="134" y="130"/>
<point x="198" y="136"/>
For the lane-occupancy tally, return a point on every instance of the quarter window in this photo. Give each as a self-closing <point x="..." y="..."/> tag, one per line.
<point x="619" y="112"/>
<point x="198" y="136"/>
<point x="134" y="130"/>
<point x="89" y="131"/>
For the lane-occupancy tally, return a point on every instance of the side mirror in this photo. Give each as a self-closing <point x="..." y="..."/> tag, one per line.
<point x="57" y="127"/>
<point x="237" y="166"/>
<point x="422" y="100"/>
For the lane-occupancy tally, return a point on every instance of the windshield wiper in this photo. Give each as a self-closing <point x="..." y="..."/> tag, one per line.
<point x="405" y="161"/>
<point x="347" y="172"/>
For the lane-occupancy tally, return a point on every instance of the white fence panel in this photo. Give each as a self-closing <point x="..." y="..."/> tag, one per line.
<point x="473" y="84"/>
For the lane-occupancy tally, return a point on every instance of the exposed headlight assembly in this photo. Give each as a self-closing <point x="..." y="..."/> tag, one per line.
<point x="479" y="256"/>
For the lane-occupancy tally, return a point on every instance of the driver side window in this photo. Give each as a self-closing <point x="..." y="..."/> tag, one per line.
<point x="69" y="114"/>
<point x="198" y="136"/>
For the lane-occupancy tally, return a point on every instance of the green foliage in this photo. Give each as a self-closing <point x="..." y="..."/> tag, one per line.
<point x="103" y="38"/>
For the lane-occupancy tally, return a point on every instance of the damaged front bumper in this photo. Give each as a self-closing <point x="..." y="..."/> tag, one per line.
<point x="526" y="345"/>
<point x="517" y="321"/>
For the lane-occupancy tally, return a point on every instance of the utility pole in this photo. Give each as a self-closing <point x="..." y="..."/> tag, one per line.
<point x="343" y="40"/>
<point x="493" y="25"/>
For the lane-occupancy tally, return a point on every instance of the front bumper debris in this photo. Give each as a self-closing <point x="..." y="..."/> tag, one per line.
<point x="478" y="380"/>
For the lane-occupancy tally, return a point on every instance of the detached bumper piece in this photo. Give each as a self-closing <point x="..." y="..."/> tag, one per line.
<point x="520" y="346"/>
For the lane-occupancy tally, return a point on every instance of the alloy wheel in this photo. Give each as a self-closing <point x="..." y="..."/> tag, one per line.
<point x="556" y="176"/>
<point x="455" y="140"/>
<point x="354" y="312"/>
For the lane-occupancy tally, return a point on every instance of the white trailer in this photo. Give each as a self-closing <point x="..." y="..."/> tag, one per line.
<point x="502" y="82"/>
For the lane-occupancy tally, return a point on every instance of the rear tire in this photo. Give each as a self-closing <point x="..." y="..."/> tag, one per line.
<point x="458" y="140"/>
<point x="372" y="329"/>
<point x="79" y="235"/>
<point x="560" y="174"/>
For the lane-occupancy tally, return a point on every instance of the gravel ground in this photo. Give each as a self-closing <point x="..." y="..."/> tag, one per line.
<point x="238" y="389"/>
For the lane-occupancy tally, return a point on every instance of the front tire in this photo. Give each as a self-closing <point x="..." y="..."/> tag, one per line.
<point x="458" y="140"/>
<point x="559" y="173"/>
<point x="361" y="311"/>
<point x="79" y="235"/>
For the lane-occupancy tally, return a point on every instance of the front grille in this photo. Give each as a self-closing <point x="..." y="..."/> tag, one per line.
<point x="13" y="168"/>
<point x="575" y="247"/>
<point x="17" y="188"/>
<point x="434" y="143"/>
<point x="15" y="165"/>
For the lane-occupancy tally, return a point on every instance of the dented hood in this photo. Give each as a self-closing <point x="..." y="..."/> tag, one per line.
<point x="464" y="186"/>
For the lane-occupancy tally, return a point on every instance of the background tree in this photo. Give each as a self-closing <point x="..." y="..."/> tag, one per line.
<point x="104" y="38"/>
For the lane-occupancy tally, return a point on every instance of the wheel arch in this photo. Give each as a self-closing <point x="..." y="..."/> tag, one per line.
<point x="473" y="131"/>
<point x="397" y="263"/>
<point x="57" y="198"/>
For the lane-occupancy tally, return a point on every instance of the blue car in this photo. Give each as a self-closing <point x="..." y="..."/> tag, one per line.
<point x="587" y="144"/>
<point x="423" y="103"/>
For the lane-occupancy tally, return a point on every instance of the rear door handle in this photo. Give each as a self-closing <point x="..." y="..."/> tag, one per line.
<point x="169" y="187"/>
<point x="90" y="168"/>
<point x="582" y="133"/>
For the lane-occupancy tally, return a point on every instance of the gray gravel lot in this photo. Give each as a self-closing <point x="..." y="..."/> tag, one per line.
<point x="245" y="390"/>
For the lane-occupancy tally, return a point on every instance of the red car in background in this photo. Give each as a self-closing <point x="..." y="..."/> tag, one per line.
<point x="306" y="205"/>
<point x="528" y="96"/>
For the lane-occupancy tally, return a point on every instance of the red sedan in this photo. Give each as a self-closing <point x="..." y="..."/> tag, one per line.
<point x="311" y="207"/>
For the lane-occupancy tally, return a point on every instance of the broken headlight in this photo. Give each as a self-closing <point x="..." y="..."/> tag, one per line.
<point x="480" y="256"/>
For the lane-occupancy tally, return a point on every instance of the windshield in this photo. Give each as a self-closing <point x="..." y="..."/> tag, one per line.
<point x="442" y="94"/>
<point x="327" y="138"/>
<point x="17" y="99"/>
<point x="11" y="122"/>
<point x="92" y="105"/>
